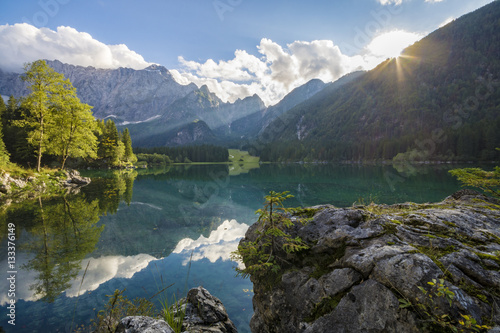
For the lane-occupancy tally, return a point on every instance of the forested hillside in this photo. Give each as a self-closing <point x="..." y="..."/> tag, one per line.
<point x="439" y="100"/>
<point x="186" y="154"/>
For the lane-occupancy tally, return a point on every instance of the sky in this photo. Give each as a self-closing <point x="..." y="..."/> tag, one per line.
<point x="238" y="48"/>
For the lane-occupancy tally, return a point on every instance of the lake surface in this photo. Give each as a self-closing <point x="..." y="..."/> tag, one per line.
<point x="144" y="230"/>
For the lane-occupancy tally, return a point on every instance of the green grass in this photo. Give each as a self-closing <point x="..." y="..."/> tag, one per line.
<point x="241" y="162"/>
<point x="239" y="156"/>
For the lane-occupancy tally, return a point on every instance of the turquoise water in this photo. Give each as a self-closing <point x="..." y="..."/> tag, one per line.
<point x="145" y="229"/>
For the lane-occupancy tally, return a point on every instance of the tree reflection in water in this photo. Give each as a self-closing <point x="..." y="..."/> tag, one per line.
<point x="60" y="231"/>
<point x="63" y="233"/>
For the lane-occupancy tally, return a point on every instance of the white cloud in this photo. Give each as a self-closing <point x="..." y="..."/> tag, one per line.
<point x="22" y="43"/>
<point x="223" y="88"/>
<point x="390" y="44"/>
<point x="271" y="76"/>
<point x="278" y="71"/>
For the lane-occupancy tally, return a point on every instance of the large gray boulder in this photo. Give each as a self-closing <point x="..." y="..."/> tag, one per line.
<point x="204" y="313"/>
<point x="367" y="265"/>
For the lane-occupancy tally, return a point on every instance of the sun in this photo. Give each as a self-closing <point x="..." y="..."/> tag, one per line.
<point x="391" y="44"/>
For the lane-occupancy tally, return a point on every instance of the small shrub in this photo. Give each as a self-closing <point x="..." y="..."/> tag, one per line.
<point x="260" y="257"/>
<point x="118" y="307"/>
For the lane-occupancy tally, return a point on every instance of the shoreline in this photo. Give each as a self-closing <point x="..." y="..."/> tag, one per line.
<point x="36" y="184"/>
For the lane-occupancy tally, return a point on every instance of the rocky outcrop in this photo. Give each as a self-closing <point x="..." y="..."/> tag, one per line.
<point x="74" y="179"/>
<point x="203" y="313"/>
<point x="7" y="182"/>
<point x="368" y="269"/>
<point x="29" y="187"/>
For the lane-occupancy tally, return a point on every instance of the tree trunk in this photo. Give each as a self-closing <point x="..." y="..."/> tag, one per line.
<point x="40" y="146"/>
<point x="63" y="161"/>
<point x="39" y="158"/>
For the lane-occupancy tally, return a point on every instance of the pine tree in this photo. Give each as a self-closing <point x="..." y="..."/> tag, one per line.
<point x="4" y="155"/>
<point x="109" y="144"/>
<point x="11" y="110"/>
<point x="3" y="107"/>
<point x="127" y="141"/>
<point x="14" y="137"/>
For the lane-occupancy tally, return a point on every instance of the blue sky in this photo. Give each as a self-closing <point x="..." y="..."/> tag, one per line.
<point x="236" y="47"/>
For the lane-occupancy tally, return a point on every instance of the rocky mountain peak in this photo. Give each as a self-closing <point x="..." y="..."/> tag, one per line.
<point x="159" y="69"/>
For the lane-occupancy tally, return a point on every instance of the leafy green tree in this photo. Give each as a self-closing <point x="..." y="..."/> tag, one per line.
<point x="12" y="103"/>
<point x="53" y="117"/>
<point x="46" y="86"/>
<point x="76" y="126"/>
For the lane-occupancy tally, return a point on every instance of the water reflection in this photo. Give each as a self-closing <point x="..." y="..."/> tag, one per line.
<point x="42" y="277"/>
<point x="87" y="275"/>
<point x="62" y="231"/>
<point x="111" y="188"/>
<point x="104" y="269"/>
<point x="218" y="245"/>
<point x="55" y="234"/>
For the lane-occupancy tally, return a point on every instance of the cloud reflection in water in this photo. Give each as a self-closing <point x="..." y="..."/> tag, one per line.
<point x="218" y="245"/>
<point x="99" y="271"/>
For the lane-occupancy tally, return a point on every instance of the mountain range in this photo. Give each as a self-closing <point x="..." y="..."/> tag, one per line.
<point x="439" y="100"/>
<point x="159" y="111"/>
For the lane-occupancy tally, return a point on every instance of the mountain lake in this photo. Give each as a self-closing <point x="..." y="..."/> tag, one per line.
<point x="144" y="230"/>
